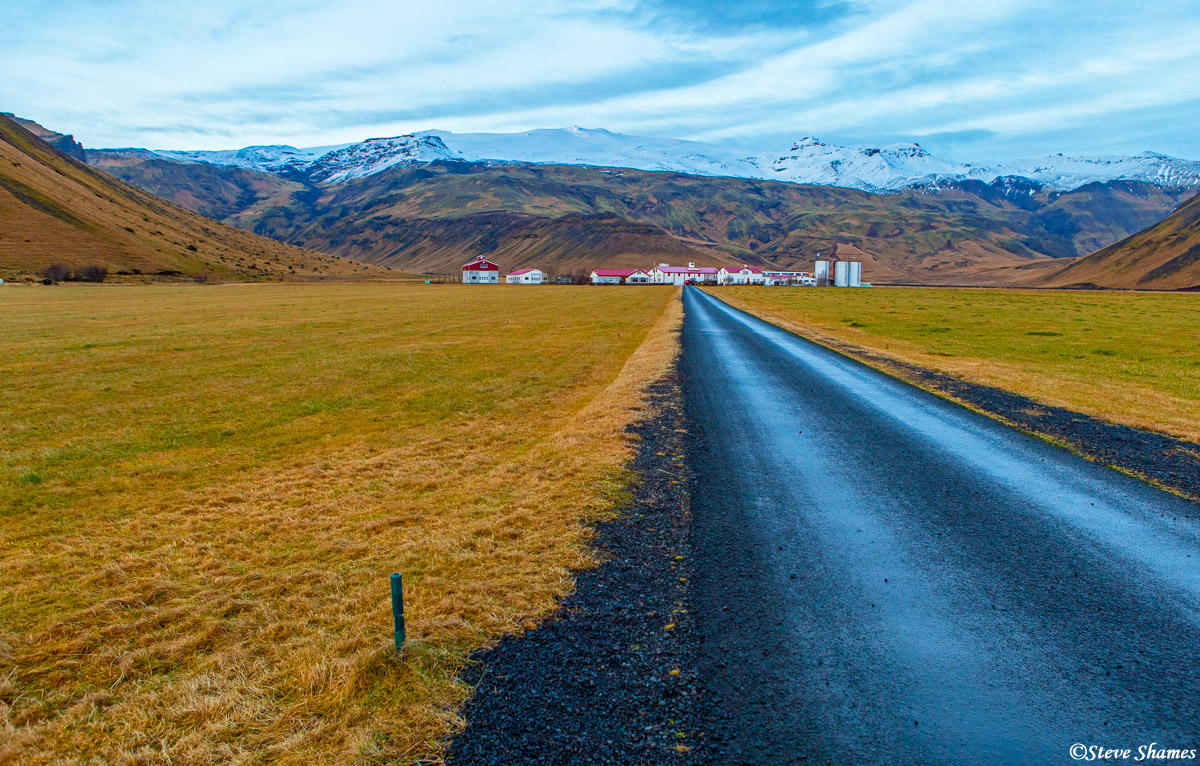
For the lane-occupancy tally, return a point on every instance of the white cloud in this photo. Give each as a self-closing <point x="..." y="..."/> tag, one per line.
<point x="226" y="74"/>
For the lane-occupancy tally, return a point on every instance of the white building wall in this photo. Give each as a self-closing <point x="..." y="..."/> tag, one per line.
<point x="535" y="277"/>
<point x="481" y="277"/>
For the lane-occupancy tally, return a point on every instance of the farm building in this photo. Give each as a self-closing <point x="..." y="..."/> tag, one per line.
<point x="527" y="277"/>
<point x="480" y="271"/>
<point x="619" y="276"/>
<point x="746" y="275"/>
<point x="664" y="274"/>
<point x="788" y="278"/>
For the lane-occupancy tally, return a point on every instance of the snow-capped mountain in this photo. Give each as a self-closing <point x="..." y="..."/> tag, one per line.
<point x="812" y="161"/>
<point x="376" y="154"/>
<point x="602" y="148"/>
<point x="808" y="161"/>
<point x="265" y="159"/>
<point x="1064" y="172"/>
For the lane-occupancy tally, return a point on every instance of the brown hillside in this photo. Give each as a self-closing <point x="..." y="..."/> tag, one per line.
<point x="1166" y="256"/>
<point x="55" y="209"/>
<point x="570" y="244"/>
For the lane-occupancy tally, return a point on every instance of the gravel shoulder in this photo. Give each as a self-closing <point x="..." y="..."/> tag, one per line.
<point x="610" y="677"/>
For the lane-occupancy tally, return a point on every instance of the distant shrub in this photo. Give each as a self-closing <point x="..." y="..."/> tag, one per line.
<point x="56" y="272"/>
<point x="59" y="272"/>
<point x="91" y="273"/>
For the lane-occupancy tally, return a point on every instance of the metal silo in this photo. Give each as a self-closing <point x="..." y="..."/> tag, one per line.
<point x="821" y="272"/>
<point x="855" y="274"/>
<point x="841" y="273"/>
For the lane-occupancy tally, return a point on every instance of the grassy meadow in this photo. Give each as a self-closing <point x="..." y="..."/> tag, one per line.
<point x="1131" y="358"/>
<point x="203" y="490"/>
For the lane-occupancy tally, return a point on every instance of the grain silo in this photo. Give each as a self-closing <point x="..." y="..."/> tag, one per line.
<point x="821" y="272"/>
<point x="841" y="273"/>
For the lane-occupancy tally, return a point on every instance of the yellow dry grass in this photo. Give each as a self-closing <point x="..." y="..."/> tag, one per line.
<point x="203" y="491"/>
<point x="1131" y="358"/>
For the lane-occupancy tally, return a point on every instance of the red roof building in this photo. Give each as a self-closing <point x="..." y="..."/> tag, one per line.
<point x="619" y="276"/>
<point x="480" y="271"/>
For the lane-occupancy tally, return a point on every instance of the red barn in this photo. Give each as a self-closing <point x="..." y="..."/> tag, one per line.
<point x="481" y="271"/>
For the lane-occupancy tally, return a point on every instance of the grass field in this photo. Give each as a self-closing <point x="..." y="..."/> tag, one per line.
<point x="203" y="490"/>
<point x="1131" y="358"/>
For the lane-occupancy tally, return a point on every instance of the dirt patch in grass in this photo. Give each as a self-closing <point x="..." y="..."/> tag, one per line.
<point x="225" y="477"/>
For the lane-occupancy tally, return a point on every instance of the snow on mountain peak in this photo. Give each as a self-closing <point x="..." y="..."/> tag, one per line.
<point x="806" y="142"/>
<point x="809" y="161"/>
<point x="269" y="159"/>
<point x="376" y="154"/>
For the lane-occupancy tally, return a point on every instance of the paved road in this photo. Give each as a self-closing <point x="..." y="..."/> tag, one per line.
<point x="884" y="577"/>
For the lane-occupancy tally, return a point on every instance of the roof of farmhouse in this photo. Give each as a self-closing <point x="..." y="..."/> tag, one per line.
<point x="521" y="271"/>
<point x="615" y="272"/>
<point x="687" y="270"/>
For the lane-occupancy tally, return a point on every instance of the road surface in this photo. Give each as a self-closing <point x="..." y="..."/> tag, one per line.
<point x="886" y="577"/>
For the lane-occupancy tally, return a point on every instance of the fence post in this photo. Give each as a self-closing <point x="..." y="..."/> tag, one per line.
<point x="398" y="609"/>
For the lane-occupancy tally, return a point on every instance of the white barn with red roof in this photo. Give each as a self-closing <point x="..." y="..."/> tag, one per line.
<point x="480" y="271"/>
<point x="527" y="277"/>
<point x="619" y="276"/>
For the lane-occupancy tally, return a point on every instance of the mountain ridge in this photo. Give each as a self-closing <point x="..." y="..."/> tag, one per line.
<point x="1165" y="256"/>
<point x="433" y="216"/>
<point x="891" y="167"/>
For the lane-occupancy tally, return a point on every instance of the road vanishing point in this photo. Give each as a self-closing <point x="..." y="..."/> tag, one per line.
<point x="883" y="576"/>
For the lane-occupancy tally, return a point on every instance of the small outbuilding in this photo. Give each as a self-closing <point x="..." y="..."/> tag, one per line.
<point x="480" y="271"/>
<point x="527" y="277"/>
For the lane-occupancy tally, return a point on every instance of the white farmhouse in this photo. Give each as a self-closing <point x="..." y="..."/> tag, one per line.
<point x="680" y="275"/>
<point x="480" y="271"/>
<point x="746" y="275"/>
<point x="619" y="276"/>
<point x="527" y="277"/>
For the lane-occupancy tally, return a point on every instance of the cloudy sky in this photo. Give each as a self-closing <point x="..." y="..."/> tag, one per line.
<point x="968" y="79"/>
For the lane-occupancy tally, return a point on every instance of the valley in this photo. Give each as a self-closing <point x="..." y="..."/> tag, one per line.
<point x="431" y="217"/>
<point x="412" y="204"/>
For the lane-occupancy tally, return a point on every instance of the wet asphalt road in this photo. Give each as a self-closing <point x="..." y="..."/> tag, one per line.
<point x="881" y="576"/>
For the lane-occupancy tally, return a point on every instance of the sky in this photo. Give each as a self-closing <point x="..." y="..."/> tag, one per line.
<point x="967" y="79"/>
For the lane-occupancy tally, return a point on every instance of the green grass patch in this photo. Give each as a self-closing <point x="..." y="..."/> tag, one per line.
<point x="1129" y="357"/>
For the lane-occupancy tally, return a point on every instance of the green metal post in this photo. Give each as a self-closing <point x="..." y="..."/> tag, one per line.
<point x="398" y="609"/>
